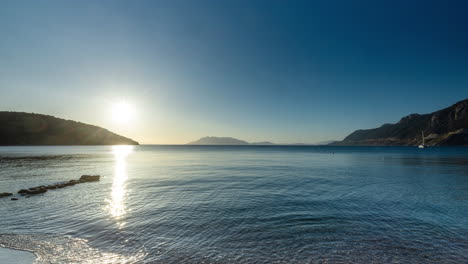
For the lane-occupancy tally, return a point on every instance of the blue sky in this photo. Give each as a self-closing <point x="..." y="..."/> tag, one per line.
<point x="283" y="71"/>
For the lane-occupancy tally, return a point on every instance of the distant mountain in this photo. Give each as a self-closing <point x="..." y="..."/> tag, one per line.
<point x="218" y="141"/>
<point x="226" y="141"/>
<point x="262" y="143"/>
<point x="327" y="142"/>
<point x="17" y="128"/>
<point x="447" y="127"/>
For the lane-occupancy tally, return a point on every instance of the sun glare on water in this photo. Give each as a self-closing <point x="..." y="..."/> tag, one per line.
<point x="116" y="203"/>
<point x="122" y="112"/>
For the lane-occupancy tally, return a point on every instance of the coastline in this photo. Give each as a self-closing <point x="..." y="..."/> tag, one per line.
<point x="17" y="256"/>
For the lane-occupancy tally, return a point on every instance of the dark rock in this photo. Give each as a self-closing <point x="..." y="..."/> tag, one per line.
<point x="72" y="182"/>
<point x="34" y="190"/>
<point x="14" y="199"/>
<point x="89" y="178"/>
<point x="5" y="194"/>
<point x="23" y="191"/>
<point x="38" y="190"/>
<point x="44" y="188"/>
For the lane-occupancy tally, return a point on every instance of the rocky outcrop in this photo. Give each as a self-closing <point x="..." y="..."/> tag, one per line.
<point x="447" y="127"/>
<point x="45" y="188"/>
<point x="89" y="178"/>
<point x="5" y="194"/>
<point x="33" y="190"/>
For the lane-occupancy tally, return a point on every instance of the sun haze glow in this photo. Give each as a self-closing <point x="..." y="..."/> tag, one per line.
<point x="122" y="112"/>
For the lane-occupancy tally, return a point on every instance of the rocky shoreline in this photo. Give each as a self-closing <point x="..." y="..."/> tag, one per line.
<point x="446" y="127"/>
<point x="44" y="188"/>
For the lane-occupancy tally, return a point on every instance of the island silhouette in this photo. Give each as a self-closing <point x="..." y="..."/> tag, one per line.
<point x="19" y="128"/>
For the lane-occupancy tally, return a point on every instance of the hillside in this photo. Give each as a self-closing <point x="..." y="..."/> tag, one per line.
<point x="17" y="128"/>
<point x="447" y="127"/>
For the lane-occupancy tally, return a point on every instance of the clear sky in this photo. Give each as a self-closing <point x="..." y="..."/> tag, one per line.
<point x="283" y="71"/>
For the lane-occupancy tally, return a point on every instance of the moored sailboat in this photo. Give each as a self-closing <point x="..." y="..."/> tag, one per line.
<point x="423" y="145"/>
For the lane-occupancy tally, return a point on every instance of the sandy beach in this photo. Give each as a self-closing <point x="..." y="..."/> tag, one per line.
<point x="16" y="256"/>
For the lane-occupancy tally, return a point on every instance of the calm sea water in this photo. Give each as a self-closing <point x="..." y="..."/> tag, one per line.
<point x="238" y="204"/>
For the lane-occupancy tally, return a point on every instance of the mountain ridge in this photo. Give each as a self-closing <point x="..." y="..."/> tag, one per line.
<point x="225" y="141"/>
<point x="211" y="140"/>
<point x="21" y="128"/>
<point x="445" y="127"/>
<point x="218" y="141"/>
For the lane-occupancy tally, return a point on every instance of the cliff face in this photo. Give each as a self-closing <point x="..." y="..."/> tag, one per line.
<point x="446" y="127"/>
<point x="18" y="128"/>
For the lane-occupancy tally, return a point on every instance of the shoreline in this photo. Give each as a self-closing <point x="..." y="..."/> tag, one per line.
<point x="17" y="256"/>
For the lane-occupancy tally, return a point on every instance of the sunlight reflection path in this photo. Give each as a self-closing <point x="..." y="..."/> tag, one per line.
<point x="116" y="205"/>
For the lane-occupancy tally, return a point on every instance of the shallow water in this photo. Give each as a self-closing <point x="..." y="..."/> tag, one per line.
<point x="16" y="256"/>
<point x="238" y="204"/>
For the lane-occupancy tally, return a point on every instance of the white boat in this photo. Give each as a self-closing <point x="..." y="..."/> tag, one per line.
<point x="423" y="145"/>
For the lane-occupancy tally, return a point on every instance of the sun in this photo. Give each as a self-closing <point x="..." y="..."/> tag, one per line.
<point x="122" y="112"/>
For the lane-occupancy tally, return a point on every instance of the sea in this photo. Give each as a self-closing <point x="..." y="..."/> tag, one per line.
<point x="237" y="204"/>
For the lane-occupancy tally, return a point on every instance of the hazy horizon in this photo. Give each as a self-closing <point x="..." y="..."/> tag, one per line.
<point x="171" y="72"/>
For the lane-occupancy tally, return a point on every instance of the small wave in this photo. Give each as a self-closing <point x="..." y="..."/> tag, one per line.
<point x="64" y="249"/>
